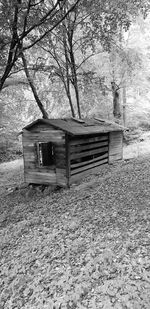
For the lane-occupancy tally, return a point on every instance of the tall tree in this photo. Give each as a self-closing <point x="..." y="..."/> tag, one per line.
<point x="28" y="22"/>
<point x="76" y="39"/>
<point x="22" y="22"/>
<point x="64" y="47"/>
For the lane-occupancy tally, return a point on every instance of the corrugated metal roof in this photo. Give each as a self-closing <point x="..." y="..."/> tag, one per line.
<point x="79" y="127"/>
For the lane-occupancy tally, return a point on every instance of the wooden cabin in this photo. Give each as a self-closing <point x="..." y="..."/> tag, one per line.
<point x="63" y="151"/>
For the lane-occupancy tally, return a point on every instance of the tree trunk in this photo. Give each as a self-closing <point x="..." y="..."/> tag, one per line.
<point x="124" y="98"/>
<point x="69" y="54"/>
<point x="77" y="97"/>
<point x="31" y="83"/>
<point x="67" y="82"/>
<point x="13" y="50"/>
<point x="67" y="88"/>
<point x="116" y="100"/>
<point x="74" y="78"/>
<point x="8" y="69"/>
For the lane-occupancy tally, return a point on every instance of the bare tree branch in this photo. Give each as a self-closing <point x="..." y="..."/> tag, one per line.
<point x="31" y="83"/>
<point x="52" y="28"/>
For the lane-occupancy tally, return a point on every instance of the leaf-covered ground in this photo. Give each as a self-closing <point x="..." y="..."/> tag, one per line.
<point x="87" y="247"/>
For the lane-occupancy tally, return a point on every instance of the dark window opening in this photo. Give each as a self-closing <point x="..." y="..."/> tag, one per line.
<point x="45" y="154"/>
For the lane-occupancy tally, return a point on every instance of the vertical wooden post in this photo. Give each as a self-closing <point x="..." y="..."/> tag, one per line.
<point x="24" y="163"/>
<point x="67" y="160"/>
<point x="115" y="146"/>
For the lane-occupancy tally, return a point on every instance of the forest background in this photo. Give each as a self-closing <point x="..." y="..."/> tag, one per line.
<point x="69" y="58"/>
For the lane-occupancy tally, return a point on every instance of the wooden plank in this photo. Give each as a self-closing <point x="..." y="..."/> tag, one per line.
<point x="46" y="139"/>
<point x="60" y="147"/>
<point x="61" y="177"/>
<point x="32" y="143"/>
<point x="85" y="140"/>
<point x="112" y="123"/>
<point x="61" y="171"/>
<point x="33" y="176"/>
<point x="30" y="179"/>
<point x="27" y="143"/>
<point x="88" y="153"/>
<point x="115" y="146"/>
<point x="115" y="157"/>
<point x="28" y="149"/>
<point x="55" y="136"/>
<point x="51" y="170"/>
<point x="61" y="181"/>
<point x="60" y="150"/>
<point x="67" y="160"/>
<point x="79" y="148"/>
<point x="116" y="143"/>
<point x="100" y="119"/>
<point x="32" y="167"/>
<point x="48" y="131"/>
<point x="115" y="134"/>
<point x="114" y="152"/>
<point x="39" y="127"/>
<point x="36" y="179"/>
<point x="76" y="165"/>
<point x="29" y="156"/>
<point x="29" y="160"/>
<point x="42" y="173"/>
<point x="114" y="139"/>
<point x="60" y="163"/>
<point x="78" y="177"/>
<point x="29" y="165"/>
<point x="59" y="156"/>
<point x="78" y="120"/>
<point x="89" y="166"/>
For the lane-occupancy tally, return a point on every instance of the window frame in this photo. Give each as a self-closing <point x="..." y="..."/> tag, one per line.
<point x="39" y="155"/>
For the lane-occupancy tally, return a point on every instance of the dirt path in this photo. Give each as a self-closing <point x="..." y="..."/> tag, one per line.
<point x="11" y="175"/>
<point x="139" y="148"/>
<point x="10" y="166"/>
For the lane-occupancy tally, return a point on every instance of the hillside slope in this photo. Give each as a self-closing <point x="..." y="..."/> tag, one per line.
<point x="84" y="247"/>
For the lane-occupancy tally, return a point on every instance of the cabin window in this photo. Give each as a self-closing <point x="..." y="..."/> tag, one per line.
<point x="45" y="154"/>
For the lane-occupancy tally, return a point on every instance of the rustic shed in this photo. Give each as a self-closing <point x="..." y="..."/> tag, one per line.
<point x="63" y="151"/>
